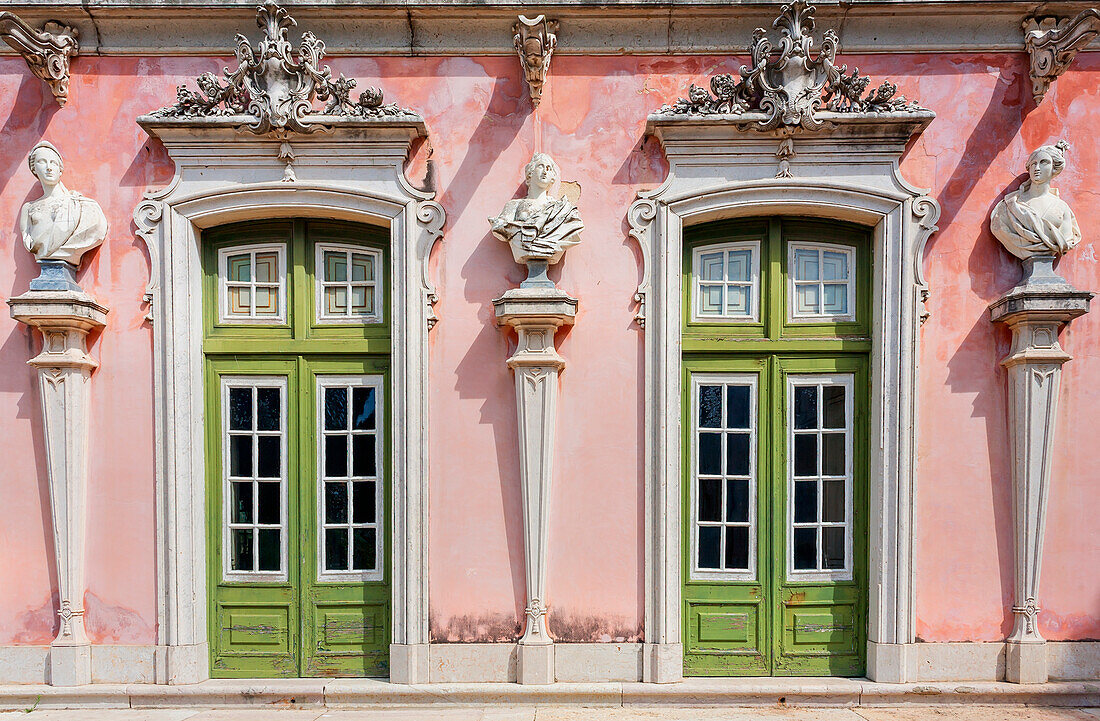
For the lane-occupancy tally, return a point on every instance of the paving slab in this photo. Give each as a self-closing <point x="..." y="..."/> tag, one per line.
<point x="974" y="713"/>
<point x="697" y="714"/>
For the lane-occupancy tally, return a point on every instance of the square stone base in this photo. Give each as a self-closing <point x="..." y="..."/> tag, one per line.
<point x="409" y="663"/>
<point x="70" y="665"/>
<point x="1026" y="662"/>
<point x="536" y="664"/>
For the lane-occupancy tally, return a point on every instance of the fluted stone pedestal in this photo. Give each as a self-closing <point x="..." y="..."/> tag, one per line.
<point x="536" y="314"/>
<point x="1035" y="310"/>
<point x="64" y="373"/>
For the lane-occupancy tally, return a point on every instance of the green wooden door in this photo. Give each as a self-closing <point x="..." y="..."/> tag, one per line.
<point x="775" y="446"/>
<point x="297" y="425"/>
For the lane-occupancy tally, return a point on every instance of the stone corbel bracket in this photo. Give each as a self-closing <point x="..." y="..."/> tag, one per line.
<point x="535" y="40"/>
<point x="1052" y="43"/>
<point x="47" y="51"/>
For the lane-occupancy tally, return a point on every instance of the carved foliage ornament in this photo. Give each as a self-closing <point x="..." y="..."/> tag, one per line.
<point x="535" y="40"/>
<point x="276" y="87"/>
<point x="47" y="51"/>
<point x="1052" y="44"/>
<point x="791" y="86"/>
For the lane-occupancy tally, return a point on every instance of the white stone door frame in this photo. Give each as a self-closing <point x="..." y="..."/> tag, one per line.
<point x="225" y="175"/>
<point x="723" y="168"/>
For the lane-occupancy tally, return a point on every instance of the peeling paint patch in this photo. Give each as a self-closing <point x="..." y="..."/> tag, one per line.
<point x="39" y="625"/>
<point x="475" y="628"/>
<point x="572" y="627"/>
<point x="114" y="624"/>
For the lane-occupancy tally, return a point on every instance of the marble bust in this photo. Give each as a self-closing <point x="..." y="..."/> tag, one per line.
<point x="1032" y="220"/>
<point x="538" y="228"/>
<point x="60" y="226"/>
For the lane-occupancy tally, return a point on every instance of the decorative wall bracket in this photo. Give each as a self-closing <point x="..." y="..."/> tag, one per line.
<point x="1052" y="43"/>
<point x="47" y="51"/>
<point x="535" y="40"/>
<point x="790" y="88"/>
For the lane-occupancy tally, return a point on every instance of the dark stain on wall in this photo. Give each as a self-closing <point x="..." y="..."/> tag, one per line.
<point x="114" y="624"/>
<point x="475" y="628"/>
<point x="39" y="625"/>
<point x="569" y="627"/>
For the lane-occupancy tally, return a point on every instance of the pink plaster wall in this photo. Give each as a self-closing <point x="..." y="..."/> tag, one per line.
<point x="592" y="120"/>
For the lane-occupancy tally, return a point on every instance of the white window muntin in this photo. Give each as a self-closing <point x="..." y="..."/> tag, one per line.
<point x="278" y="286"/>
<point x="349" y="382"/>
<point x="371" y="287"/>
<point x="821" y="381"/>
<point x="723" y="379"/>
<point x="820" y="284"/>
<point x="253" y="383"/>
<point x="748" y="286"/>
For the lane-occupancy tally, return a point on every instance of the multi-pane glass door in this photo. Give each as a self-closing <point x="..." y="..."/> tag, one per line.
<point x="774" y="451"/>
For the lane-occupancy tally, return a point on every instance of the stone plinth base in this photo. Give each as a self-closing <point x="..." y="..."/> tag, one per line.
<point x="1026" y="662"/>
<point x="536" y="664"/>
<point x="70" y="665"/>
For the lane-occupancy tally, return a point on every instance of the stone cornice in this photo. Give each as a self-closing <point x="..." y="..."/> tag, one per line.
<point x="468" y="27"/>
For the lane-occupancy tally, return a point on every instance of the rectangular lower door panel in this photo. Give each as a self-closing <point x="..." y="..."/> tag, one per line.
<point x="347" y="639"/>
<point x="255" y="640"/>
<point x="724" y="639"/>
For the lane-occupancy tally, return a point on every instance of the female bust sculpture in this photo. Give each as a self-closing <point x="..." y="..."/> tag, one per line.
<point x="540" y="227"/>
<point x="1032" y="220"/>
<point x="62" y="225"/>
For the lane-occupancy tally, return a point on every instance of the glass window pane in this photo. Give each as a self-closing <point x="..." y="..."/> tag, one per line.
<point x="362" y="267"/>
<point x="240" y="267"/>
<point x="336" y="549"/>
<point x="805" y="264"/>
<point x="832" y="454"/>
<point x="362" y="409"/>
<point x="267" y="409"/>
<point x="710" y="500"/>
<point x="737" y="548"/>
<point x="710" y="406"/>
<point x="710" y="266"/>
<point x="805" y="549"/>
<point x="805" y="407"/>
<point x="710" y="453"/>
<point x="240" y="456"/>
<point x="832" y="501"/>
<point x="267" y="502"/>
<point x="336" y="409"/>
<point x="240" y="409"/>
<point x="832" y="547"/>
<point x="836" y="299"/>
<point x="336" y="456"/>
<point x="336" y="266"/>
<point x="359" y="295"/>
<point x="240" y="300"/>
<point x="737" y="406"/>
<point x="267" y="268"/>
<point x="740" y="265"/>
<point x="336" y="502"/>
<point x="363" y="549"/>
<point x="737" y="454"/>
<point x="834" y="266"/>
<point x="269" y="549"/>
<point x="362" y="456"/>
<point x="267" y="301"/>
<point x="710" y="547"/>
<point x="805" y="502"/>
<point x="269" y="459"/>
<point x="242" y="550"/>
<point x="833" y="409"/>
<point x="710" y="299"/>
<point x="805" y="455"/>
<point x="336" y="300"/>
<point x="738" y="300"/>
<point x="806" y="299"/>
<point x="737" y="501"/>
<point x="242" y="503"/>
<point x="363" y="501"/>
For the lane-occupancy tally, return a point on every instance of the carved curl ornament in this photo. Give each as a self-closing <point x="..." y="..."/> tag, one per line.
<point x="791" y="87"/>
<point x="277" y="88"/>
<point x="47" y="51"/>
<point x="535" y="40"/>
<point x="1052" y="43"/>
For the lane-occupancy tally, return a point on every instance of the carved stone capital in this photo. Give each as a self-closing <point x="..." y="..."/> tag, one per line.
<point x="47" y="51"/>
<point x="1053" y="42"/>
<point x="535" y="40"/>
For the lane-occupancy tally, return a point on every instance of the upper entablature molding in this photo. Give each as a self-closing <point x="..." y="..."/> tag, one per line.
<point x="606" y="27"/>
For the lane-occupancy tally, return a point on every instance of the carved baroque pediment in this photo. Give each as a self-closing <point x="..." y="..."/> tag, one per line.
<point x="791" y="88"/>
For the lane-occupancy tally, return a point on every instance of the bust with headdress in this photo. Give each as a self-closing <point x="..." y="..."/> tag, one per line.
<point x="1032" y="220"/>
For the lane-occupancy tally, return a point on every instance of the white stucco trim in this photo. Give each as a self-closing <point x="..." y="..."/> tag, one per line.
<point x="225" y="175"/>
<point x="849" y="172"/>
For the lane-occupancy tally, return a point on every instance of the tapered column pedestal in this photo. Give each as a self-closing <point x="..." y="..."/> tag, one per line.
<point x="64" y="373"/>
<point x="536" y="314"/>
<point x="1035" y="311"/>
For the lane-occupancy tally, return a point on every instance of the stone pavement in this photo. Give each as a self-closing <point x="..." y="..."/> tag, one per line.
<point x="772" y="713"/>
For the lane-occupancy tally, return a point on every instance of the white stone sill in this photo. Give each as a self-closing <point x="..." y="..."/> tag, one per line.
<point x="337" y="693"/>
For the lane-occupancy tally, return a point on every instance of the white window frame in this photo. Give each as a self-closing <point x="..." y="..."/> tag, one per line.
<point x="254" y="382"/>
<point x="850" y="283"/>
<point x="697" y="381"/>
<point x="374" y="381"/>
<point x="753" y="282"/>
<point x="223" y="284"/>
<point x="847" y="381"/>
<point x="320" y="284"/>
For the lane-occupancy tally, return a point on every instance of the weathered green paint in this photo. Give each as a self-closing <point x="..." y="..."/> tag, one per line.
<point x="299" y="627"/>
<point x="769" y="626"/>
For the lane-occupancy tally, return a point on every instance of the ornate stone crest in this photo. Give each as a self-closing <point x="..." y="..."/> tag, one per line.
<point x="47" y="51"/>
<point x="791" y="87"/>
<point x="276" y="87"/>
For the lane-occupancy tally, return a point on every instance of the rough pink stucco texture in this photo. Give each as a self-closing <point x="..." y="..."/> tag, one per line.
<point x="592" y="121"/>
